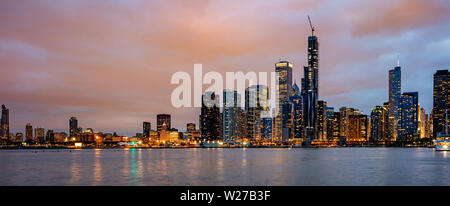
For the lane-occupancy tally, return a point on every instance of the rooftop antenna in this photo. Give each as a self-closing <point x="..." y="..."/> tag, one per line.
<point x="398" y="60"/>
<point x="312" y="27"/>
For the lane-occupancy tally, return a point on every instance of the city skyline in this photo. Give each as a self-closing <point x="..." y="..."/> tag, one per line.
<point x="46" y="84"/>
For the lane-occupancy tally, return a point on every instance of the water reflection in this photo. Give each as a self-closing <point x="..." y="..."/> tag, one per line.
<point x="98" y="175"/>
<point x="75" y="170"/>
<point x="341" y="166"/>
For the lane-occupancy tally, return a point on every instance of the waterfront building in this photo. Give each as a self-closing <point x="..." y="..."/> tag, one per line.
<point x="29" y="133"/>
<point x="441" y="101"/>
<point x="267" y="128"/>
<point x="163" y="119"/>
<point x="344" y="120"/>
<point x="357" y="130"/>
<point x="167" y="135"/>
<point x="4" y="123"/>
<point x="61" y="137"/>
<point x="39" y="135"/>
<point x="74" y="130"/>
<point x="287" y="121"/>
<point x="50" y="136"/>
<point x="394" y="99"/>
<point x="146" y="128"/>
<point x="192" y="134"/>
<point x="388" y="130"/>
<point x="336" y="126"/>
<point x="231" y="113"/>
<point x="256" y="97"/>
<point x="297" y="102"/>
<point x="408" y="119"/>
<point x="322" y="120"/>
<point x="283" y="70"/>
<point x="378" y="123"/>
<point x="210" y="117"/>
<point x="310" y="89"/>
<point x="422" y="121"/>
<point x="329" y="119"/>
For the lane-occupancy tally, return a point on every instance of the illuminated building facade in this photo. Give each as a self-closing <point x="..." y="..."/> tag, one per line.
<point x="422" y="122"/>
<point x="39" y="135"/>
<point x="267" y="128"/>
<point x="231" y="113"/>
<point x="4" y="123"/>
<point x="395" y="77"/>
<point x="441" y="101"/>
<point x="146" y="128"/>
<point x="378" y="123"/>
<point x="344" y="120"/>
<point x="74" y="130"/>
<point x="256" y="97"/>
<point x="163" y="119"/>
<point x="322" y="120"/>
<point x="329" y="119"/>
<point x="287" y="121"/>
<point x="310" y="89"/>
<point x="358" y="130"/>
<point x="409" y="115"/>
<point x="336" y="126"/>
<point x="210" y="117"/>
<point x="297" y="105"/>
<point x="283" y="70"/>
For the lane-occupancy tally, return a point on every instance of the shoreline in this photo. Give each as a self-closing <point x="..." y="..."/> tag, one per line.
<point x="254" y="147"/>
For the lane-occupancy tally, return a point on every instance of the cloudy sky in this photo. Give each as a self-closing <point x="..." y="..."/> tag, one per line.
<point x="109" y="63"/>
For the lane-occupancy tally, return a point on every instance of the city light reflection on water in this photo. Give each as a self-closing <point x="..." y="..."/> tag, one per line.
<point x="248" y="166"/>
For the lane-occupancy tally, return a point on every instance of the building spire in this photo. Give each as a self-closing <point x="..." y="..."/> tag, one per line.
<point x="398" y="60"/>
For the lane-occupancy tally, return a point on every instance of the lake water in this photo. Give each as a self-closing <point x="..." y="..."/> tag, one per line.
<point x="324" y="166"/>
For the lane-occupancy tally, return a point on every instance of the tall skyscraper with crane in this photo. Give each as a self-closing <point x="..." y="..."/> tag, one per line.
<point x="310" y="87"/>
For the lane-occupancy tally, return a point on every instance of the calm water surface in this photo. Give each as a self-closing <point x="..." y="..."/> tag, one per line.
<point x="334" y="166"/>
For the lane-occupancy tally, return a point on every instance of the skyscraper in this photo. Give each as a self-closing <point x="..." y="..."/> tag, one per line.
<point x="422" y="121"/>
<point x="297" y="104"/>
<point x="388" y="131"/>
<point x="4" y="125"/>
<point x="210" y="117"/>
<point x="395" y="92"/>
<point x="344" y="124"/>
<point x="256" y="97"/>
<point x="358" y="124"/>
<point x="377" y="123"/>
<point x="409" y="115"/>
<point x="287" y="121"/>
<point x="146" y="127"/>
<point x="267" y="128"/>
<point x="29" y="133"/>
<point x="336" y="126"/>
<point x="310" y="89"/>
<point x="329" y="119"/>
<point x="163" y="119"/>
<point x="441" y="100"/>
<point x="284" y="92"/>
<point x="73" y="127"/>
<point x="231" y="110"/>
<point x="39" y="135"/>
<point x="50" y="136"/>
<point x="322" y="120"/>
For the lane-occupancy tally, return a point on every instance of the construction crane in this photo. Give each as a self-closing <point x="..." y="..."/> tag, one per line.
<point x="312" y="28"/>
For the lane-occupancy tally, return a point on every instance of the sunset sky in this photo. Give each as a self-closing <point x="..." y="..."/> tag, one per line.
<point x="109" y="62"/>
